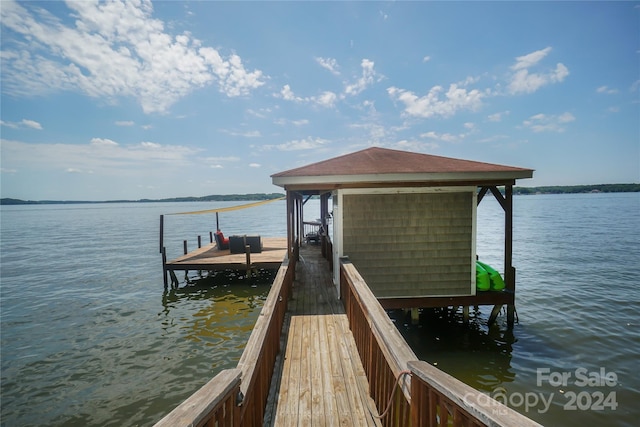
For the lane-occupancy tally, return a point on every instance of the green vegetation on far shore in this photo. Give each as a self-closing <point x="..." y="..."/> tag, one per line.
<point x="211" y="198"/>
<point x="559" y="189"/>
<point x="572" y="189"/>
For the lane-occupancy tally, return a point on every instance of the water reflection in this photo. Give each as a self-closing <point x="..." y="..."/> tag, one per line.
<point x="473" y="353"/>
<point x="217" y="309"/>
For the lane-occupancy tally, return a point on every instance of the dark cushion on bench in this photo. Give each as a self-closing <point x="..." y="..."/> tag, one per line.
<point x="238" y="243"/>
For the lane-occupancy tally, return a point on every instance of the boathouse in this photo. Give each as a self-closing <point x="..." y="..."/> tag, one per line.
<point x="407" y="222"/>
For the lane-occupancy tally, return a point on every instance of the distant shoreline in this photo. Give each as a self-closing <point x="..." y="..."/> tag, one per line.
<point x="559" y="189"/>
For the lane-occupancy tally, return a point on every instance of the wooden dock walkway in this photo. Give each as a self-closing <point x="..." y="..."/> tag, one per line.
<point x="321" y="381"/>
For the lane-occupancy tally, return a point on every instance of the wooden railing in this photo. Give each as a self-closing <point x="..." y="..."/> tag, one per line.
<point x="258" y="359"/>
<point x="214" y="404"/>
<point x="311" y="227"/>
<point x="383" y="351"/>
<point x="409" y="392"/>
<point x="238" y="397"/>
<point x="440" y="399"/>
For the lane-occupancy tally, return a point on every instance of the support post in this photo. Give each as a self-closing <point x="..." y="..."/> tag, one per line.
<point x="465" y="314"/>
<point x="164" y="266"/>
<point x="211" y="237"/>
<point x="494" y="314"/>
<point x="510" y="275"/>
<point x="247" y="250"/>
<point x="415" y="316"/>
<point x="184" y="244"/>
<point x="199" y="242"/>
<point x="161" y="232"/>
<point x="174" y="279"/>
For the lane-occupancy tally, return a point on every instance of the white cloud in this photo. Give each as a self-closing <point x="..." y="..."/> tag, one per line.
<point x="446" y="137"/>
<point x="31" y="124"/>
<point x="112" y="50"/>
<point x="22" y="124"/>
<point x="246" y="134"/>
<point x="524" y="81"/>
<point x="414" y="145"/>
<point x="426" y="59"/>
<point x="326" y="99"/>
<point x="302" y="144"/>
<point x="284" y="122"/>
<point x="330" y="64"/>
<point x="254" y="165"/>
<point x="124" y="123"/>
<point x="375" y="131"/>
<point x="606" y="90"/>
<point x="219" y="162"/>
<point x="100" y="155"/>
<point x="432" y="104"/>
<point x="497" y="117"/>
<point x="470" y="128"/>
<point x="367" y="78"/>
<point x="526" y="61"/>
<point x="103" y="142"/>
<point x="548" y="123"/>
<point x="287" y="94"/>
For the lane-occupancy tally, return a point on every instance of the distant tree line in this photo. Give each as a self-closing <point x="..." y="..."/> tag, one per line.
<point x="211" y="198"/>
<point x="563" y="189"/>
<point x="557" y="189"/>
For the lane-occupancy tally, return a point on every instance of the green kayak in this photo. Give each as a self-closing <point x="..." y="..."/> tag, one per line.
<point x="496" y="282"/>
<point x="483" y="282"/>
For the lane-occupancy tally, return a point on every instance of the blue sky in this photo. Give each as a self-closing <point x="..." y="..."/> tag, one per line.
<point x="104" y="101"/>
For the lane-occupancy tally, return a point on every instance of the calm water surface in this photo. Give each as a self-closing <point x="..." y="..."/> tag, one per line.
<point x="89" y="338"/>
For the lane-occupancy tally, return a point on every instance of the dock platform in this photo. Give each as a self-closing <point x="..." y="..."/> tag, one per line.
<point x="321" y="381"/>
<point x="209" y="257"/>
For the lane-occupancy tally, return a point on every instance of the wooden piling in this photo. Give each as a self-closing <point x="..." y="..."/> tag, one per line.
<point x="494" y="314"/>
<point x="247" y="250"/>
<point x="164" y="265"/>
<point x="161" y="232"/>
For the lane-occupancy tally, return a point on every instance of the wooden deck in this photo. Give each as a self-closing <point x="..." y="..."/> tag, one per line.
<point x="321" y="381"/>
<point x="209" y="257"/>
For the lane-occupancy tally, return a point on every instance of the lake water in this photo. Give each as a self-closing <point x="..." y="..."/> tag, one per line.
<point x="90" y="338"/>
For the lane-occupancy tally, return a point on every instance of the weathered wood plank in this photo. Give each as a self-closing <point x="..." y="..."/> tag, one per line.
<point x="317" y="402"/>
<point x="328" y="395"/>
<point x="304" y="407"/>
<point x="322" y="377"/>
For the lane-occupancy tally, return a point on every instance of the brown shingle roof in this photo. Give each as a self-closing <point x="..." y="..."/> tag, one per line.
<point x="376" y="161"/>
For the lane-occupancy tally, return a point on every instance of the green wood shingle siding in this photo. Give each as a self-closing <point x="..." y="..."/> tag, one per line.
<point x="410" y="244"/>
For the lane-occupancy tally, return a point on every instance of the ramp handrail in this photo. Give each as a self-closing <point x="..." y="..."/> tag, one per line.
<point x="215" y="401"/>
<point x="426" y="397"/>
<point x="238" y="397"/>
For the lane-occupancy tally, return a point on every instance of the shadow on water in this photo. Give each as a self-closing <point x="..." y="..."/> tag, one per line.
<point x="217" y="283"/>
<point x="217" y="309"/>
<point x="472" y="352"/>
